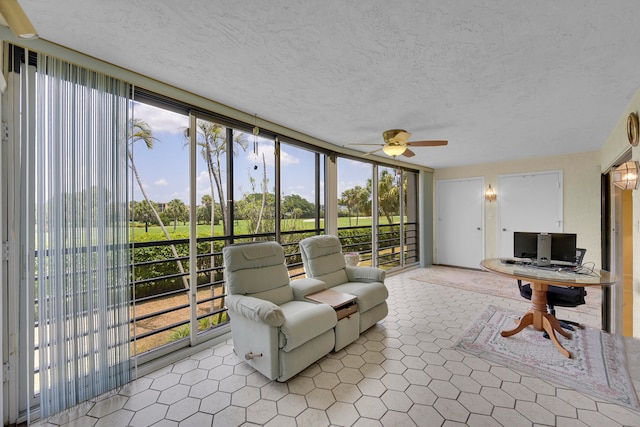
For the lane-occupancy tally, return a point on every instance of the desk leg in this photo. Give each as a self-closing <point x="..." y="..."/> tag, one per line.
<point x="555" y="324"/>
<point x="525" y="321"/>
<point x="549" y="328"/>
<point x="540" y="319"/>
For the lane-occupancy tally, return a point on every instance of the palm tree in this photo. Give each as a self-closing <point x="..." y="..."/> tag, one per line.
<point x="350" y="201"/>
<point x="207" y="204"/>
<point x="144" y="212"/>
<point x="212" y="140"/>
<point x="141" y="131"/>
<point x="264" y="194"/>
<point x="176" y="210"/>
<point x="388" y="195"/>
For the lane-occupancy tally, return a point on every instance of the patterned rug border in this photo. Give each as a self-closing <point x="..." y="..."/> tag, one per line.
<point x="612" y="385"/>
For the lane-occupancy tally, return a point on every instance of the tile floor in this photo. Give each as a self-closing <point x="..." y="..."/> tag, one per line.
<point x="401" y="372"/>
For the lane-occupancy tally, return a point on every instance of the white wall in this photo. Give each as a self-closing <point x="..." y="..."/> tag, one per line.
<point x="581" y="177"/>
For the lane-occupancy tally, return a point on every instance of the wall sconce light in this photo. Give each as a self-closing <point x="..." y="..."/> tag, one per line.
<point x="490" y="195"/>
<point x="625" y="176"/>
<point x="17" y="20"/>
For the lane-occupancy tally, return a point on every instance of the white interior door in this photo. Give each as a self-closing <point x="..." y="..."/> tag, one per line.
<point x="460" y="216"/>
<point x="527" y="202"/>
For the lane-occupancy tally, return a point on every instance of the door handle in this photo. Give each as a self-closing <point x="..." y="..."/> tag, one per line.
<point x="478" y="228"/>
<point x="504" y="229"/>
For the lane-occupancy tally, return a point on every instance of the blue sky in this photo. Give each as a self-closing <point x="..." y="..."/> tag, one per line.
<point x="164" y="170"/>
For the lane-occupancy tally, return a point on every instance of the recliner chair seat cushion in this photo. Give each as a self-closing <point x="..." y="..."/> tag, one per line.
<point x="369" y="294"/>
<point x="304" y="321"/>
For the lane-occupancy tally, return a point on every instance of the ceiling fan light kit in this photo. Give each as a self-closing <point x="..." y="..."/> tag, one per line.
<point x="394" y="150"/>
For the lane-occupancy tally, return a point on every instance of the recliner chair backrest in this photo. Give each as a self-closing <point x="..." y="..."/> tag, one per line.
<point x="257" y="270"/>
<point x="323" y="259"/>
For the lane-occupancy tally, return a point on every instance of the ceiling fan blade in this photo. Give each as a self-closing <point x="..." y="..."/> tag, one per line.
<point x="402" y="136"/>
<point x="433" y="143"/>
<point x="408" y="153"/>
<point x="371" y="152"/>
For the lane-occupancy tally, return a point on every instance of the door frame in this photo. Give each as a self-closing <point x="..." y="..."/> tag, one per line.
<point x="612" y="260"/>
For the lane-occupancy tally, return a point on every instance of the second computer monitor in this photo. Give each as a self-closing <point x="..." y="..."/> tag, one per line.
<point x="563" y="246"/>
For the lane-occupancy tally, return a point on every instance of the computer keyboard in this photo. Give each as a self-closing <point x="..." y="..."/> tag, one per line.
<point x="515" y="260"/>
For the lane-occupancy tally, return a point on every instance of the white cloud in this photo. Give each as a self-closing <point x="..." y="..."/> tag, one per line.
<point x="162" y="182"/>
<point x="202" y="179"/>
<point x="265" y="152"/>
<point x="160" y="120"/>
<point x="287" y="159"/>
<point x="269" y="158"/>
<point x="203" y="185"/>
<point x="350" y="163"/>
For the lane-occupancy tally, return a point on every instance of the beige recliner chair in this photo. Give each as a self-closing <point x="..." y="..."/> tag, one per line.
<point x="323" y="260"/>
<point x="276" y="333"/>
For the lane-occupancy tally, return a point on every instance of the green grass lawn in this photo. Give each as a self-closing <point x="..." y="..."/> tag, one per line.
<point x="138" y="233"/>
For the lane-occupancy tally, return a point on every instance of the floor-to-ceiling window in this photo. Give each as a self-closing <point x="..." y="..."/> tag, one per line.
<point x="389" y="186"/>
<point x="378" y="213"/>
<point x="410" y="200"/>
<point x="254" y="183"/>
<point x="301" y="194"/>
<point x="355" y="208"/>
<point x="214" y="144"/>
<point x="159" y="189"/>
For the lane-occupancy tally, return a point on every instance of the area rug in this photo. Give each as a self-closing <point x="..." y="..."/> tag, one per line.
<point x="598" y="367"/>
<point x="469" y="280"/>
<point x="491" y="284"/>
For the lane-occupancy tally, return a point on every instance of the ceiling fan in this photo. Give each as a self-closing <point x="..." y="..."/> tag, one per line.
<point x="396" y="143"/>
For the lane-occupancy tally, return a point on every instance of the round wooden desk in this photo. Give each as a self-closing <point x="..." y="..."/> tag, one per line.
<point x="538" y="315"/>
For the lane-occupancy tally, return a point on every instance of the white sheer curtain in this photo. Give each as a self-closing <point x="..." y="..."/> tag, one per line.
<point x="81" y="233"/>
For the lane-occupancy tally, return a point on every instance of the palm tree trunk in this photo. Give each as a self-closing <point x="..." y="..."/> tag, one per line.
<point x="264" y="193"/>
<point x="212" y="258"/>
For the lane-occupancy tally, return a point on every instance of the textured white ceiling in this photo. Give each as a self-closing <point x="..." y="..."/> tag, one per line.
<point x="500" y="79"/>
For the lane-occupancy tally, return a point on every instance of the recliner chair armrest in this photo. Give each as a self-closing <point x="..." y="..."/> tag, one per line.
<point x="256" y="309"/>
<point x="365" y="274"/>
<point x="307" y="286"/>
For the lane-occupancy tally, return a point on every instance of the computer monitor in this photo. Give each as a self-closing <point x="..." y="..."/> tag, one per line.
<point x="563" y="247"/>
<point x="525" y="244"/>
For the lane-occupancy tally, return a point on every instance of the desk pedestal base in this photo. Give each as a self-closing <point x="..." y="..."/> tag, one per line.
<point x="540" y="319"/>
